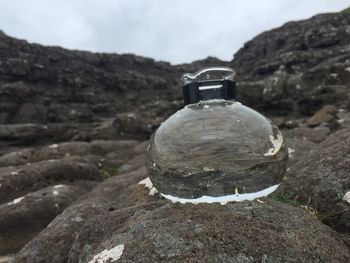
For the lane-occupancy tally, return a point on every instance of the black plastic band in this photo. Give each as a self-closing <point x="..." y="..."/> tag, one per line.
<point x="193" y="93"/>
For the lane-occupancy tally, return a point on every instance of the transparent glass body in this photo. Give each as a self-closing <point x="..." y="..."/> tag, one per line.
<point x="216" y="151"/>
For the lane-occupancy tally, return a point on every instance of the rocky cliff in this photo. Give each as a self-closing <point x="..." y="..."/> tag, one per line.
<point x="298" y="67"/>
<point x="74" y="127"/>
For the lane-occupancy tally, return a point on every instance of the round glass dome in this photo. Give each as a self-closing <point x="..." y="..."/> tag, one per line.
<point x="216" y="150"/>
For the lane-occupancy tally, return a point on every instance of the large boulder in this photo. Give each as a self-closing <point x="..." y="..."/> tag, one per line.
<point x="320" y="179"/>
<point x="241" y="232"/>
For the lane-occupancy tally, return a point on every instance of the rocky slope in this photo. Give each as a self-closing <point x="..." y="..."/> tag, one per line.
<point x="73" y="134"/>
<point x="76" y="94"/>
<point x="298" y="67"/>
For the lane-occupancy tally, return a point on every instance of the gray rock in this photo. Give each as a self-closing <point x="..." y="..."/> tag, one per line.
<point x="20" y="180"/>
<point x="140" y="124"/>
<point x="100" y="152"/>
<point x="298" y="67"/>
<point x="320" y="178"/>
<point x="112" y="194"/>
<point x="24" y="217"/>
<point x="265" y="231"/>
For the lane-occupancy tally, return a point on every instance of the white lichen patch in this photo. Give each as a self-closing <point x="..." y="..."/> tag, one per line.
<point x="14" y="173"/>
<point x="276" y="145"/>
<point x="267" y="90"/>
<point x="53" y="146"/>
<point x="346" y="197"/>
<point x="208" y="169"/>
<point x="55" y="192"/>
<point x="131" y="115"/>
<point x="347" y="69"/>
<point x="77" y="219"/>
<point x="16" y="201"/>
<point x="108" y="255"/>
<point x="148" y="184"/>
<point x="290" y="152"/>
<point x="59" y="186"/>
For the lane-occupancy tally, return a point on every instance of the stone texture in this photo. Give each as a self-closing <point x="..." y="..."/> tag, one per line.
<point x="321" y="179"/>
<point x="112" y="194"/>
<point x="24" y="217"/>
<point x="122" y="148"/>
<point x="241" y="232"/>
<point x="298" y="67"/>
<point x="52" y="85"/>
<point x="20" y="180"/>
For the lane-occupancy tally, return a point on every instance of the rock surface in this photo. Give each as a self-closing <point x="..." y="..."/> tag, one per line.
<point x="243" y="232"/>
<point x="61" y="88"/>
<point x="294" y="69"/>
<point x="299" y="67"/>
<point x="24" y="217"/>
<point x="20" y="180"/>
<point x="321" y="179"/>
<point x="77" y="119"/>
<point x="112" y="194"/>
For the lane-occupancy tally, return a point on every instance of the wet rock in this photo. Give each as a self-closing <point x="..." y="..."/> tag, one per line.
<point x="321" y="179"/>
<point x="327" y="115"/>
<point x="240" y="232"/>
<point x="24" y="217"/>
<point x="20" y="180"/>
<point x="110" y="195"/>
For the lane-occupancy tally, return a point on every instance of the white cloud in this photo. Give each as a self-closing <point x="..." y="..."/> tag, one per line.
<point x="176" y="31"/>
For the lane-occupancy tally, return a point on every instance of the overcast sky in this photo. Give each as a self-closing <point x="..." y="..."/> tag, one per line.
<point x="176" y="31"/>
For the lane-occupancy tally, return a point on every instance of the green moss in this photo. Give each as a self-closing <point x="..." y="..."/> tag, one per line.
<point x="107" y="172"/>
<point x="284" y="199"/>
